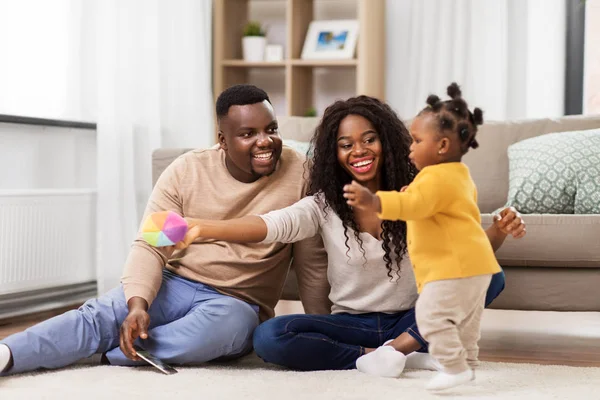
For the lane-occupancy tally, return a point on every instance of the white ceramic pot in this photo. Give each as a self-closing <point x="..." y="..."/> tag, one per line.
<point x="253" y="48"/>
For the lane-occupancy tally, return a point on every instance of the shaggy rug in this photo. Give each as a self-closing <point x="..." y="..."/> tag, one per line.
<point x="250" y="378"/>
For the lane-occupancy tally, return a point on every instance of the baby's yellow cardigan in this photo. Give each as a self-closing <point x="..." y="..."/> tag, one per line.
<point x="445" y="238"/>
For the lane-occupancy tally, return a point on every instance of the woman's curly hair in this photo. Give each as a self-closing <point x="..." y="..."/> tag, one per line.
<point x="328" y="178"/>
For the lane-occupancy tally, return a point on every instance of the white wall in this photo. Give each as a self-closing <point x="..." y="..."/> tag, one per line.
<point x="40" y="157"/>
<point x="41" y="71"/>
<point x="46" y="72"/>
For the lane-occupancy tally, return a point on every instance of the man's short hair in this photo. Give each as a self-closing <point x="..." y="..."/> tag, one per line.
<point x="239" y="95"/>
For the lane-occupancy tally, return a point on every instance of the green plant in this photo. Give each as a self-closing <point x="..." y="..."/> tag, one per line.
<point x="311" y="112"/>
<point x="254" y="28"/>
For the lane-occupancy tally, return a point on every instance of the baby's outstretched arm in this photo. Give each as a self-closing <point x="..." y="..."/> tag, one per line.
<point x="248" y="229"/>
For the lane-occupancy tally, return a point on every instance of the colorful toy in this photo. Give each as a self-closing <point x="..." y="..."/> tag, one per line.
<point x="164" y="228"/>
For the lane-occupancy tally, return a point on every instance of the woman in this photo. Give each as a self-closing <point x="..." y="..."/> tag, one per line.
<point x="372" y="284"/>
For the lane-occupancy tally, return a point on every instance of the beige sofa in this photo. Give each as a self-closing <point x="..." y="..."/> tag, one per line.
<point x="555" y="268"/>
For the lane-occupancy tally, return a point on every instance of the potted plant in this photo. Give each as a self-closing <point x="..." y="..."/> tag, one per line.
<point x="254" y="42"/>
<point x="310" y="112"/>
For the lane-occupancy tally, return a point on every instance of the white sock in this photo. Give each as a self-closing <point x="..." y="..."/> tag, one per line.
<point x="4" y="357"/>
<point x="444" y="380"/>
<point x="384" y="361"/>
<point x="416" y="360"/>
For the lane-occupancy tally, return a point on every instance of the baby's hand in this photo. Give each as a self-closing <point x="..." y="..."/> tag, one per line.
<point x="360" y="197"/>
<point x="510" y="222"/>
<point x="403" y="188"/>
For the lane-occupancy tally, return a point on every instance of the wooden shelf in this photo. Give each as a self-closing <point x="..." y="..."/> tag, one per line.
<point x="229" y="68"/>
<point x="324" y="63"/>
<point x="296" y="63"/>
<point x="257" y="64"/>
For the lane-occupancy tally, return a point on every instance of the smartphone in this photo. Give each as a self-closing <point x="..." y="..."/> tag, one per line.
<point x="155" y="362"/>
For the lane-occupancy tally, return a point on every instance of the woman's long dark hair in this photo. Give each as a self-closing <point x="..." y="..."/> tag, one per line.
<point x="328" y="177"/>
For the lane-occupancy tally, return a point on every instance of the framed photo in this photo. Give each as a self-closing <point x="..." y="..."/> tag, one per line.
<point x="330" y="40"/>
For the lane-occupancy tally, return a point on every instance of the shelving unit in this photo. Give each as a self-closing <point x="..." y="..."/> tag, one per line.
<point x="369" y="62"/>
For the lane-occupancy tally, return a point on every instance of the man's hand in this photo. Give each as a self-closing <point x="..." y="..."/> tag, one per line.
<point x="510" y="222"/>
<point x="192" y="234"/>
<point x="135" y="325"/>
<point x="360" y="197"/>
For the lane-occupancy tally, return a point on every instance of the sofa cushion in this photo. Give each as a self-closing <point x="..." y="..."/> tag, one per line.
<point x="557" y="173"/>
<point x="489" y="163"/>
<point x="553" y="241"/>
<point x="162" y="158"/>
<point x="300" y="146"/>
<point x="549" y="289"/>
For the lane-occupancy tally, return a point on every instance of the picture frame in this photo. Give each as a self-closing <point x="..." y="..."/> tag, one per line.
<point x="330" y="40"/>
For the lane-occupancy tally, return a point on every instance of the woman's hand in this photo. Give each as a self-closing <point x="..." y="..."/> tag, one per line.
<point x="360" y="197"/>
<point x="135" y="325"/>
<point x="192" y="234"/>
<point x="510" y="222"/>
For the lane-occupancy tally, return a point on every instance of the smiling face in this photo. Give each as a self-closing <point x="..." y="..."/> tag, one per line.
<point x="249" y="134"/>
<point x="359" y="150"/>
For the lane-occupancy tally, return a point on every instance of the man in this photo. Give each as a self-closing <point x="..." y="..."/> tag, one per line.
<point x="204" y="302"/>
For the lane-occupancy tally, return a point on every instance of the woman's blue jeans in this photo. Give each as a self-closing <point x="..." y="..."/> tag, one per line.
<point x="326" y="342"/>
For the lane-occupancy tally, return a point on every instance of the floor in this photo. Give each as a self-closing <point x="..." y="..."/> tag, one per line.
<point x="561" y="356"/>
<point x="251" y="378"/>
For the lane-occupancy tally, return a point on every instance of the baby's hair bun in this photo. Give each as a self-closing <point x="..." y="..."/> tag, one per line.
<point x="478" y="116"/>
<point x="454" y="91"/>
<point x="432" y="100"/>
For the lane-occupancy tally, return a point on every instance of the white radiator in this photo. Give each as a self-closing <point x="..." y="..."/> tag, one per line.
<point x="47" y="247"/>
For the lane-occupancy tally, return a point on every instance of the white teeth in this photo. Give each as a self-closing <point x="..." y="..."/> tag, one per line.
<point x="264" y="156"/>
<point x="362" y="163"/>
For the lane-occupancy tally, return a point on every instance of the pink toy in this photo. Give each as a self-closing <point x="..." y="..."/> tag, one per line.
<point x="164" y="228"/>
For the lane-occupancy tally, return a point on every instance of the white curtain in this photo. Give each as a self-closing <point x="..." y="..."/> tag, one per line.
<point x="153" y="68"/>
<point x="507" y="55"/>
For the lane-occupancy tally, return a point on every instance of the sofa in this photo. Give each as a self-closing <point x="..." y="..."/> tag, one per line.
<point x="553" y="269"/>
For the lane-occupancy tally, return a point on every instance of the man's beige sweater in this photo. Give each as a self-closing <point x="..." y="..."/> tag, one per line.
<point x="198" y="185"/>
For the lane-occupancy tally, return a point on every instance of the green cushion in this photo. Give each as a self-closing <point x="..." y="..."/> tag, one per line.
<point x="557" y="173"/>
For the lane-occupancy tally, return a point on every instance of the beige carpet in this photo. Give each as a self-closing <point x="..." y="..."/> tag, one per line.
<point x="250" y="378"/>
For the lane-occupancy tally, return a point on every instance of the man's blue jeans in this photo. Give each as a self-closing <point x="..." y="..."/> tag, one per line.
<point x="326" y="342"/>
<point x="190" y="323"/>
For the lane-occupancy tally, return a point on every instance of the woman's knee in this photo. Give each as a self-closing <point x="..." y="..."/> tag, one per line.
<point x="266" y="340"/>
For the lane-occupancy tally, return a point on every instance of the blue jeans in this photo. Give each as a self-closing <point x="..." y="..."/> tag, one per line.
<point x="326" y="342"/>
<point x="190" y="323"/>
